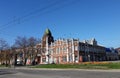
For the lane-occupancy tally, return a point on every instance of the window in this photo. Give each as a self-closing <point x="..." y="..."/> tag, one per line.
<point x="64" y="48"/>
<point x="57" y="50"/>
<point x="76" y="48"/>
<point x="44" y="59"/>
<point x="76" y="59"/>
<point x="70" y="58"/>
<point x="64" y="58"/>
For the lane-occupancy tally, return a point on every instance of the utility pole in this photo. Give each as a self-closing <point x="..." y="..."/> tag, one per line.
<point x="13" y="58"/>
<point x="5" y="58"/>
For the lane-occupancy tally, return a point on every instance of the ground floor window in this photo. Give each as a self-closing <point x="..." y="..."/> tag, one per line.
<point x="64" y="58"/>
<point x="70" y="58"/>
<point x="76" y="58"/>
<point x="43" y="59"/>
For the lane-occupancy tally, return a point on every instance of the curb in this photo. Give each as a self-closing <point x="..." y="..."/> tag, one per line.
<point x="54" y="69"/>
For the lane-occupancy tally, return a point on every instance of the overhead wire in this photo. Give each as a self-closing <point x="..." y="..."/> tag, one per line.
<point x="44" y="10"/>
<point x="19" y="19"/>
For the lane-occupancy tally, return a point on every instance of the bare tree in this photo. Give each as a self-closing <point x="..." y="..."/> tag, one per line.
<point x="3" y="44"/>
<point x="32" y="50"/>
<point x="21" y="43"/>
<point x="27" y="45"/>
<point x="4" y="53"/>
<point x="32" y="41"/>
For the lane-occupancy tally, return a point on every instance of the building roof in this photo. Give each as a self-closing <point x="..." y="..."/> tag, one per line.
<point x="108" y="50"/>
<point x="47" y="32"/>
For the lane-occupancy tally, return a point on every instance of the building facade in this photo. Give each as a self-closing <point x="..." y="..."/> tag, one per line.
<point x="91" y="51"/>
<point x="111" y="54"/>
<point x="118" y="50"/>
<point x="74" y="51"/>
<point x="43" y="47"/>
<point x="62" y="51"/>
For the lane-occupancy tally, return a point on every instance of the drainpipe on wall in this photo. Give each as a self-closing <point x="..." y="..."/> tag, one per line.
<point x="47" y="50"/>
<point x="67" y="51"/>
<point x="73" y="54"/>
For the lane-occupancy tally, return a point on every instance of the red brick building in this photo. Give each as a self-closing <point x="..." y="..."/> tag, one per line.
<point x="68" y="50"/>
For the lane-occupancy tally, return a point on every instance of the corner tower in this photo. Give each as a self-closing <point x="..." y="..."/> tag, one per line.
<point x="47" y="37"/>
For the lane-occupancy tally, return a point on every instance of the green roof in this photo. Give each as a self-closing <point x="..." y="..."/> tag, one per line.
<point x="47" y="31"/>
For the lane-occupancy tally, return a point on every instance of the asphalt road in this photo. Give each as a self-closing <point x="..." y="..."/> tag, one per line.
<point x="30" y="73"/>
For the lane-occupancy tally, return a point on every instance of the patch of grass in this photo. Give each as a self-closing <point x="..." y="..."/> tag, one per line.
<point x="81" y="66"/>
<point x="2" y="66"/>
<point x="55" y="66"/>
<point x="113" y="66"/>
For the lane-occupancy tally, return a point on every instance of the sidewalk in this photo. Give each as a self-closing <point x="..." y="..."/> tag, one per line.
<point x="69" y="69"/>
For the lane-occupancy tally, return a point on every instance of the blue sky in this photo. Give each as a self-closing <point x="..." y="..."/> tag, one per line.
<point x="83" y="19"/>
